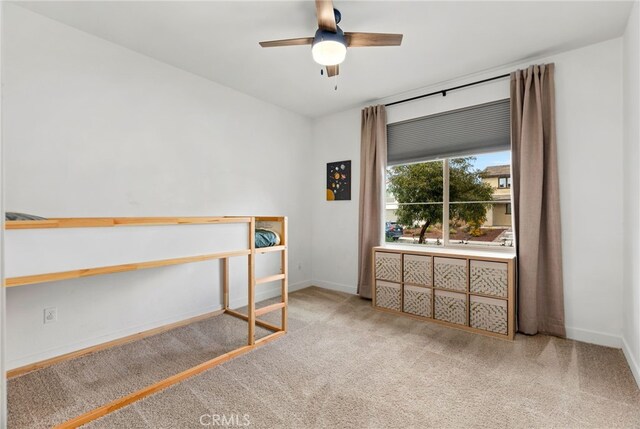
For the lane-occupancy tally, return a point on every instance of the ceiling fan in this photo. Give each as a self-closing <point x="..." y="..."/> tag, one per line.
<point x="329" y="45"/>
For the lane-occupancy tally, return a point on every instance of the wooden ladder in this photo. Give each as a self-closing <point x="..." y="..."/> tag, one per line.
<point x="252" y="314"/>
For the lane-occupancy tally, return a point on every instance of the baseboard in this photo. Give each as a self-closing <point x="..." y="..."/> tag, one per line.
<point x="351" y="289"/>
<point x="594" y="337"/>
<point x="268" y="292"/>
<point x="631" y="360"/>
<point x="584" y="335"/>
<point x="300" y="285"/>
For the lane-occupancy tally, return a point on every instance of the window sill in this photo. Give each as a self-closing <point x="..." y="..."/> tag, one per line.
<point x="455" y="250"/>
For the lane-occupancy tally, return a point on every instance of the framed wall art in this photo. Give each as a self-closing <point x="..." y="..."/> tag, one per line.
<point x="339" y="181"/>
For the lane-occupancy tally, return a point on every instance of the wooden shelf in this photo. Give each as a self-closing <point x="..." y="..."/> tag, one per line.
<point x="392" y="279"/>
<point x="466" y="328"/>
<point x="102" y="222"/>
<point x="467" y="292"/>
<point x="88" y="272"/>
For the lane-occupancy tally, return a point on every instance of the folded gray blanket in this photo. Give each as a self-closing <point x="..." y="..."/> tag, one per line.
<point x="266" y="238"/>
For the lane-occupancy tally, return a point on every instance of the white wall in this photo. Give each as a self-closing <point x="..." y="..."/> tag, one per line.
<point x="335" y="223"/>
<point x="631" y="210"/>
<point x="93" y="129"/>
<point x="589" y="128"/>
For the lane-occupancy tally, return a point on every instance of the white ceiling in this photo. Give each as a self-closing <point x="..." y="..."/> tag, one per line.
<point x="218" y="40"/>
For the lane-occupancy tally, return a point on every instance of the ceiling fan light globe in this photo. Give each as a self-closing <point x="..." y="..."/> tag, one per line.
<point x="329" y="52"/>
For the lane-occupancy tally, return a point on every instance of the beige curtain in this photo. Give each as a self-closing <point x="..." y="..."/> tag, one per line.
<point x="536" y="201"/>
<point x="373" y="161"/>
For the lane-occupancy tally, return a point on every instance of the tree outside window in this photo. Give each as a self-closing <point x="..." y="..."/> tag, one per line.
<point x="450" y="198"/>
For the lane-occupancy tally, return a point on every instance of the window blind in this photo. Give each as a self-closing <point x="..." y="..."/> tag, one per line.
<point x="471" y="130"/>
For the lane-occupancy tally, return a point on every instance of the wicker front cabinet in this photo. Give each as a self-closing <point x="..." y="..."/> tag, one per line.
<point x="470" y="290"/>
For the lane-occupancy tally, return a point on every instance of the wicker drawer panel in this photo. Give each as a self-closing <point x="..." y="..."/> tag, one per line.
<point x="417" y="269"/>
<point x="388" y="266"/>
<point x="450" y="273"/>
<point x="417" y="300"/>
<point x="489" y="278"/>
<point x="451" y="307"/>
<point x="489" y="314"/>
<point x="388" y="295"/>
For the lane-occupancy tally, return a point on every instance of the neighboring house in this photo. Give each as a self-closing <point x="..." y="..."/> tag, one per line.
<point x="391" y="205"/>
<point x="499" y="177"/>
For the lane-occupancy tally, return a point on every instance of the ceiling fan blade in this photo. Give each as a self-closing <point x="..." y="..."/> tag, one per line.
<point x="326" y="17"/>
<point x="287" y="42"/>
<point x="358" y="40"/>
<point x="333" y="70"/>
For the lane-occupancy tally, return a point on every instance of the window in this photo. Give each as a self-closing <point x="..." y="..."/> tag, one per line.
<point x="504" y="182"/>
<point x="457" y="201"/>
<point x="417" y="195"/>
<point x="449" y="178"/>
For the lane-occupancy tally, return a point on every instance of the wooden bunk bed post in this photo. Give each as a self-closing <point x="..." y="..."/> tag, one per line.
<point x="285" y="270"/>
<point x="225" y="283"/>
<point x="251" y="305"/>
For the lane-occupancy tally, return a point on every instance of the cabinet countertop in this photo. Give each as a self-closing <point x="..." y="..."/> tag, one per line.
<point x="399" y="248"/>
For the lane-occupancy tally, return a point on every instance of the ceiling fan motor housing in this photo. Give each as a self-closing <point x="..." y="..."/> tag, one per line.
<point x="329" y="36"/>
<point x="329" y="48"/>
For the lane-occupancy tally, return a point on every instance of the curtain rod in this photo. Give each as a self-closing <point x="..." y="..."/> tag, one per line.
<point x="444" y="91"/>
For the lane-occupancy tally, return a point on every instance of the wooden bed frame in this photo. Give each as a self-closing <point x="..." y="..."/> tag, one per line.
<point x="250" y="317"/>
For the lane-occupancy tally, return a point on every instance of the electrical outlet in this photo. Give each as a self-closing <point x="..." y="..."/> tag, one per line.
<point x="50" y="315"/>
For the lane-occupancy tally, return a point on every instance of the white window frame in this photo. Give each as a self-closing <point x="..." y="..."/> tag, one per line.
<point x="446" y="241"/>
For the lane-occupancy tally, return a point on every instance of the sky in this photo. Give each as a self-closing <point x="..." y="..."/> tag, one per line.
<point x="490" y="159"/>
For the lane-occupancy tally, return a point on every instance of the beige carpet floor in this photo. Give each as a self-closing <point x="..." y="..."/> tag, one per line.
<point x="342" y="365"/>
